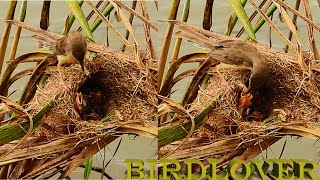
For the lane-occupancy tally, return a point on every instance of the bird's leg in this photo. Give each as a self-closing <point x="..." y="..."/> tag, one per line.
<point x="64" y="84"/>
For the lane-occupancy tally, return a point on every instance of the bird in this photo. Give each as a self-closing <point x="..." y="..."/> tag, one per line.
<point x="89" y="104"/>
<point x="70" y="49"/>
<point x="242" y="55"/>
<point x="85" y="105"/>
<point x="236" y="54"/>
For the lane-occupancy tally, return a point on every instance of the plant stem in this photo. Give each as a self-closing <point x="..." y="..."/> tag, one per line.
<point x="167" y="41"/>
<point x="6" y="31"/>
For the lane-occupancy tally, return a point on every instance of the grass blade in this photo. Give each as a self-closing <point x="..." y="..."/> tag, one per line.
<point x="172" y="133"/>
<point x="109" y="24"/>
<point x="97" y="22"/>
<point x="314" y="50"/>
<point x="85" y="154"/>
<point x="167" y="41"/>
<point x="185" y="15"/>
<point x="77" y="12"/>
<point x="45" y="14"/>
<point x="6" y="31"/>
<point x="193" y="87"/>
<point x="272" y="25"/>
<point x="23" y="12"/>
<point x="70" y="20"/>
<point x="233" y="20"/>
<point x="12" y="132"/>
<point x="243" y="17"/>
<point x="87" y="169"/>
<point x="12" y="66"/>
<point x="207" y="15"/>
<point x="134" y="5"/>
<point x="31" y="87"/>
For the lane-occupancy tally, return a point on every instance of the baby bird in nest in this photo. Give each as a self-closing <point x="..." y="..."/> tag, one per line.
<point x="89" y="106"/>
<point x="71" y="49"/>
<point x="244" y="55"/>
<point x="90" y="100"/>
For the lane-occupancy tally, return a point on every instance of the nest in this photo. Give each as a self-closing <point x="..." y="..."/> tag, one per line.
<point x="292" y="98"/>
<point x="66" y="138"/>
<point x="128" y="96"/>
<point x="292" y="108"/>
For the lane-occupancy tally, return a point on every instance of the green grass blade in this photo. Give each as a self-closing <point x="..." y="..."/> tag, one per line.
<point x="80" y="17"/>
<point x="243" y="17"/>
<point x="97" y="22"/>
<point x="87" y="169"/>
<point x="70" y="20"/>
<point x="270" y="11"/>
<point x="172" y="133"/>
<point x="233" y="20"/>
<point x="12" y="132"/>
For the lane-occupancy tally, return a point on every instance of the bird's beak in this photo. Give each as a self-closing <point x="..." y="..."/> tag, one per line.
<point x="79" y="98"/>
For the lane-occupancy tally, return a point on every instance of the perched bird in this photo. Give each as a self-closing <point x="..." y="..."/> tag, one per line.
<point x="71" y="49"/>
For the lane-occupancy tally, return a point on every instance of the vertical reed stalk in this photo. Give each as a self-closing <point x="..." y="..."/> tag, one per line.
<point x="167" y="41"/>
<point x="185" y="15"/>
<point x="15" y="43"/>
<point x="6" y="32"/>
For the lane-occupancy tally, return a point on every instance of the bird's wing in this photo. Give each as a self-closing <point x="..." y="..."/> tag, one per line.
<point x="226" y="43"/>
<point x="232" y="56"/>
<point x="194" y="36"/>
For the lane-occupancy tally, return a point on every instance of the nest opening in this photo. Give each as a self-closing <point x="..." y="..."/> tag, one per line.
<point x="92" y="98"/>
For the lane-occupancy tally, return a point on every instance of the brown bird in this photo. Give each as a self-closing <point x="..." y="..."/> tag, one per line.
<point x="236" y="54"/>
<point x="242" y="55"/>
<point x="71" y="49"/>
<point x="245" y="56"/>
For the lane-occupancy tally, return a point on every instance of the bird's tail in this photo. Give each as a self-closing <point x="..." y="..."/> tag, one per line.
<point x="189" y="33"/>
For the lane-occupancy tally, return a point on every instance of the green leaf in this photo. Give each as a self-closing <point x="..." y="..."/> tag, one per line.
<point x="87" y="169"/>
<point x="233" y="20"/>
<point x="98" y="21"/>
<point x="108" y="117"/>
<point x="243" y="17"/>
<point x="70" y="20"/>
<point x="77" y="12"/>
<point x="15" y="131"/>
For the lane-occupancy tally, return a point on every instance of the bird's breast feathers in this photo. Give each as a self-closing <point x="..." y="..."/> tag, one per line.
<point x="67" y="59"/>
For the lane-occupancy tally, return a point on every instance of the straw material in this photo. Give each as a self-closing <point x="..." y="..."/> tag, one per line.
<point x="292" y="107"/>
<point x="129" y="95"/>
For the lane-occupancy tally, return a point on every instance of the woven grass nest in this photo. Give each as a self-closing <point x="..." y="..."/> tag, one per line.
<point x="128" y="95"/>
<point x="293" y="108"/>
<point x="64" y="139"/>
